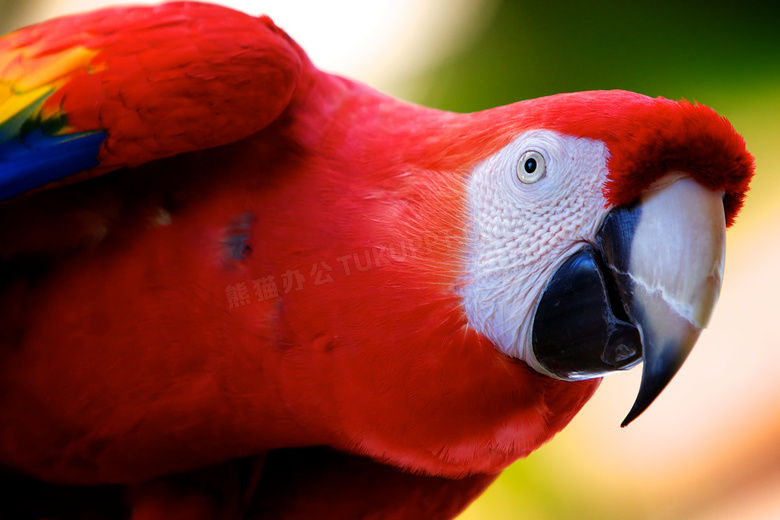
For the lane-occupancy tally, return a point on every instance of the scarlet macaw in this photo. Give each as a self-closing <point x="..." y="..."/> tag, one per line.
<point x="236" y="286"/>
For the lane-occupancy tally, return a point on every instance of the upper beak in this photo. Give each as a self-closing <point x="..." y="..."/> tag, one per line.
<point x="644" y="290"/>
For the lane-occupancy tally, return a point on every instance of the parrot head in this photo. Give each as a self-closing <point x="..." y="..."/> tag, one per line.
<point x="597" y="234"/>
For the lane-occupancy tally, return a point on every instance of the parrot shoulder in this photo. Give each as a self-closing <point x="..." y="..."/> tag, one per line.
<point x="87" y="94"/>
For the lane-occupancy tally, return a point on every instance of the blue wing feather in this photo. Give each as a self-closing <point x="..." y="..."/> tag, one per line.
<point x="36" y="159"/>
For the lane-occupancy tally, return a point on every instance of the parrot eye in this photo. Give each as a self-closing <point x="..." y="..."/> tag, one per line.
<point x="531" y="167"/>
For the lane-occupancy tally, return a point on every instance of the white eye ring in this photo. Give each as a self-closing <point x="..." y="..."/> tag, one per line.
<point x="531" y="167"/>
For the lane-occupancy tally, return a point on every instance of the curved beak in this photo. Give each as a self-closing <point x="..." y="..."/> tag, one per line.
<point x="645" y="291"/>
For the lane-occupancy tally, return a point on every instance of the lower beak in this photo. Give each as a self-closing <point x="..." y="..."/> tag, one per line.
<point x="643" y="291"/>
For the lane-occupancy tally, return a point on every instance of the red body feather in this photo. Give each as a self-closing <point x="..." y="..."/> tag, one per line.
<point x="141" y="333"/>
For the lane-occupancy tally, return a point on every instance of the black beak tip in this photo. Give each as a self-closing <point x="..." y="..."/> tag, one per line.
<point x="655" y="377"/>
<point x="643" y="401"/>
<point x="636" y="410"/>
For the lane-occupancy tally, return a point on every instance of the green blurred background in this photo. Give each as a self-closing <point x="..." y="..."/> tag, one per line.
<point x="709" y="448"/>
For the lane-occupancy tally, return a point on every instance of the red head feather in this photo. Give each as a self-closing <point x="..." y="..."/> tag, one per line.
<point x="646" y="138"/>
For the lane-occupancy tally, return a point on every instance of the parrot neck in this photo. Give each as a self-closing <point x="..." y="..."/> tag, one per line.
<point x="381" y="357"/>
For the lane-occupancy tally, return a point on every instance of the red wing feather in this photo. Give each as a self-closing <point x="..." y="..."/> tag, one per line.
<point x="156" y="81"/>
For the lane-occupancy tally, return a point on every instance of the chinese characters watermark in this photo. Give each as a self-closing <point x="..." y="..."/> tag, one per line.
<point x="322" y="272"/>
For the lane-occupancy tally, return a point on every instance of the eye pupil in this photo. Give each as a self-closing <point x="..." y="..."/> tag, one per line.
<point x="530" y="165"/>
